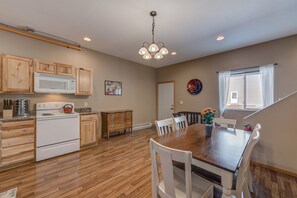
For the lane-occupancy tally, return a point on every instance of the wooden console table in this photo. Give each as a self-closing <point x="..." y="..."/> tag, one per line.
<point x="120" y="120"/>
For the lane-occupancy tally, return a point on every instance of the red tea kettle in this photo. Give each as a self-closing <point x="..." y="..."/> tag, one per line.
<point x="68" y="108"/>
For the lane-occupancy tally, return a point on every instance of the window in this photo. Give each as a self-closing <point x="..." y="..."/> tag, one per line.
<point x="246" y="89"/>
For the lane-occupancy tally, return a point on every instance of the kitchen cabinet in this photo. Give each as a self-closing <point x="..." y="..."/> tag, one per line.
<point x="84" y="81"/>
<point x="54" y="68"/>
<point x="45" y="67"/>
<point x="88" y="129"/>
<point x="112" y="121"/>
<point x="17" y="74"/>
<point x="65" y="70"/>
<point x="17" y="142"/>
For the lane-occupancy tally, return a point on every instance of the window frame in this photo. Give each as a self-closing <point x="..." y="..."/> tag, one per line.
<point x="244" y="72"/>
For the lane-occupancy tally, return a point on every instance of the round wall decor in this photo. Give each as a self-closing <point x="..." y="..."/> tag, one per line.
<point x="194" y="86"/>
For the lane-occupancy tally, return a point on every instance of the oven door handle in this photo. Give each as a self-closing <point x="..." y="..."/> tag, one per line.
<point x="57" y="118"/>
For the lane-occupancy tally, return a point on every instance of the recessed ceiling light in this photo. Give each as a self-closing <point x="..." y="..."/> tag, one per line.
<point x="219" y="38"/>
<point x="87" y="39"/>
<point x="173" y="53"/>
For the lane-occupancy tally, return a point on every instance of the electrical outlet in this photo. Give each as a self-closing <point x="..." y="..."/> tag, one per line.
<point x="181" y="102"/>
<point x="86" y="104"/>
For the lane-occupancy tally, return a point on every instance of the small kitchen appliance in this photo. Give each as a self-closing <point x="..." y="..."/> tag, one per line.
<point x="22" y="107"/>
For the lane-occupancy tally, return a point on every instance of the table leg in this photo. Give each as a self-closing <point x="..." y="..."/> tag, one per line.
<point x="227" y="179"/>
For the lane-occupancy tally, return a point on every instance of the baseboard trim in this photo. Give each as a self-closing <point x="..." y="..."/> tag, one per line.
<point x="274" y="168"/>
<point x="142" y="126"/>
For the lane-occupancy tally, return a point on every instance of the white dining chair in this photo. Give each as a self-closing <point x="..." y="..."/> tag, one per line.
<point x="174" y="182"/>
<point x="180" y="122"/>
<point x="242" y="178"/>
<point x="165" y="126"/>
<point x="225" y="123"/>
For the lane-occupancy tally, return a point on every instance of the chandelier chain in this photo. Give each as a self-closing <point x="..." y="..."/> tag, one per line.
<point x="153" y="29"/>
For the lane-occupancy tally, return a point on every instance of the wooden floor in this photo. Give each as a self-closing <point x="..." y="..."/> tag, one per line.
<point x="116" y="168"/>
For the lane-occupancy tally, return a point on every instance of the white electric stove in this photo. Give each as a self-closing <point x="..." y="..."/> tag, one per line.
<point x="57" y="133"/>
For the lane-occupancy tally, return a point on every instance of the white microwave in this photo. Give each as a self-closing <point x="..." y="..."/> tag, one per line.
<point x="47" y="83"/>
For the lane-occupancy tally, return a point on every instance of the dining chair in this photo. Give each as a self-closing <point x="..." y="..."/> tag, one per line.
<point x="242" y="180"/>
<point x="225" y="123"/>
<point x="165" y="126"/>
<point x="174" y="182"/>
<point x="180" y="122"/>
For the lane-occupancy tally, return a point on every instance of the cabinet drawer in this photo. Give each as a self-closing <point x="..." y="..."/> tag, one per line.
<point x="15" y="150"/>
<point x="89" y="117"/>
<point x="128" y="124"/>
<point x="115" y="126"/>
<point x="20" y="157"/>
<point x="129" y="114"/>
<point x="17" y="132"/>
<point x="18" y="124"/>
<point x="17" y="141"/>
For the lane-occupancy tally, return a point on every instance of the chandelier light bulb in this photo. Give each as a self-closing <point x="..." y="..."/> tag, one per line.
<point x="142" y="51"/>
<point x="147" y="56"/>
<point x="158" y="56"/>
<point x="153" y="47"/>
<point x="164" y="51"/>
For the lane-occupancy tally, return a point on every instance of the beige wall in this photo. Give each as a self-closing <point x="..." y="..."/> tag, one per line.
<point x="282" y="51"/>
<point x="138" y="80"/>
<point x="277" y="146"/>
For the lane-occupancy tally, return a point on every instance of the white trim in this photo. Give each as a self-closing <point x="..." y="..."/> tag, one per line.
<point x="142" y="126"/>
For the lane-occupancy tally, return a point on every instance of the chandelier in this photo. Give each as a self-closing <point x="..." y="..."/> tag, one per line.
<point x="153" y="50"/>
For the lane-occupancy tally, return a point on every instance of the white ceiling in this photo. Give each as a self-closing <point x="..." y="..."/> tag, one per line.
<point x="189" y="27"/>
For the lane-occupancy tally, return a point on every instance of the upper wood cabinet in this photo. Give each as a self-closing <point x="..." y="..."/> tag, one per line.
<point x="66" y="70"/>
<point x="84" y="81"/>
<point x="54" y="68"/>
<point x="17" y="74"/>
<point x="45" y="67"/>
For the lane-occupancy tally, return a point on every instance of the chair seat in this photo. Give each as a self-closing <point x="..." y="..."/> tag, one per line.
<point x="200" y="186"/>
<point x="212" y="177"/>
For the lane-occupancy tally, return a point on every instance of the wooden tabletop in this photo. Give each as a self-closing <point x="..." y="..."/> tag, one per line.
<point x="223" y="149"/>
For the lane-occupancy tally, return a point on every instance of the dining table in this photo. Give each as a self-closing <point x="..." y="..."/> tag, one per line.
<point x="220" y="153"/>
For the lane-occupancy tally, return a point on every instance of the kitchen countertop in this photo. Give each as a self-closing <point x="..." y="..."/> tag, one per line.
<point x="85" y="111"/>
<point x="88" y="113"/>
<point x="17" y="118"/>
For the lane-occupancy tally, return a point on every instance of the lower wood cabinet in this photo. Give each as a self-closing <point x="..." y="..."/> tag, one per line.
<point x="17" y="142"/>
<point x="88" y="129"/>
<point x="120" y="120"/>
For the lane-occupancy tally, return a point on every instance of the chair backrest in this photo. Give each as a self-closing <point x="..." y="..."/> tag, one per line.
<point x="244" y="167"/>
<point x="167" y="155"/>
<point x="192" y="117"/>
<point x="165" y="126"/>
<point x="223" y="122"/>
<point x="180" y="122"/>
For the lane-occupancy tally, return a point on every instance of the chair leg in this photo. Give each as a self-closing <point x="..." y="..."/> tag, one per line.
<point x="246" y="192"/>
<point x="250" y="181"/>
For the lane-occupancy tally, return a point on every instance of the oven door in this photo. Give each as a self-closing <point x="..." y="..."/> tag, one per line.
<point x="57" y="130"/>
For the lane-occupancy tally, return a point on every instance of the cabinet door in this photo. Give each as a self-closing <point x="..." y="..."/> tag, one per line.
<point x="17" y="74"/>
<point x="88" y="130"/>
<point x="63" y="69"/>
<point x="45" y="67"/>
<point x="84" y="82"/>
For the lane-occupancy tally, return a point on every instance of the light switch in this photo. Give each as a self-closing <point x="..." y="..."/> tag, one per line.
<point x="181" y="102"/>
<point x="86" y="104"/>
